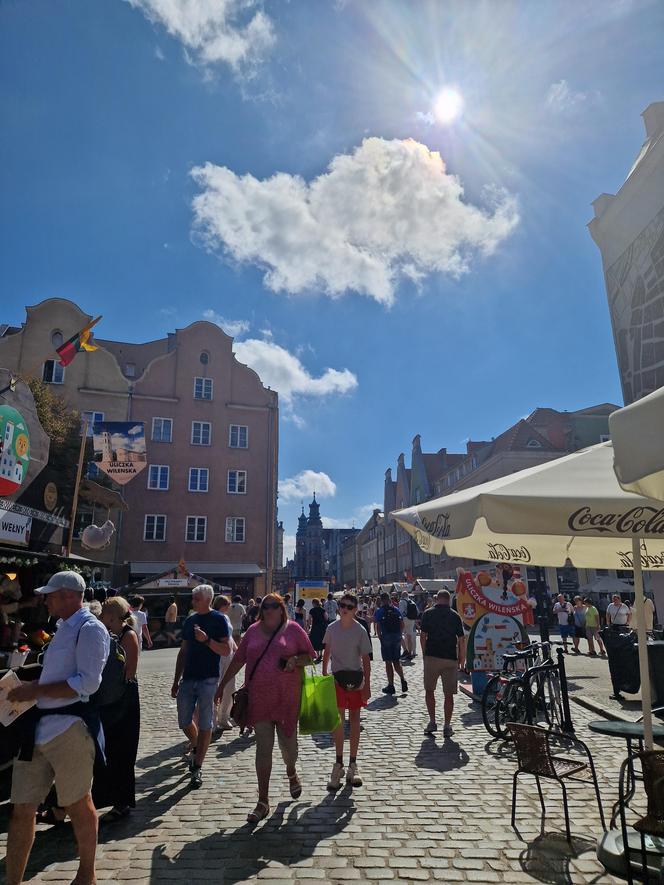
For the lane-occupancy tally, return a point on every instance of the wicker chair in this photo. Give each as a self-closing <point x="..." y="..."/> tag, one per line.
<point x="652" y="823"/>
<point x="533" y="750"/>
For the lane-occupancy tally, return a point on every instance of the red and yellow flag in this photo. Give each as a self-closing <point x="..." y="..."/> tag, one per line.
<point x="80" y="341"/>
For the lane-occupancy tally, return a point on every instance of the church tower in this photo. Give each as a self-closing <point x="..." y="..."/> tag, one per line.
<point x="301" y="546"/>
<point x="314" y="568"/>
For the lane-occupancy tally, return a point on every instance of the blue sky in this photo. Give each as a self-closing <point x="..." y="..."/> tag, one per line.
<point x="279" y="167"/>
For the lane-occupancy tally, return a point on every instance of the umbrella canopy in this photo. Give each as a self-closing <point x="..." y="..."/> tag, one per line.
<point x="572" y="508"/>
<point x="636" y="432"/>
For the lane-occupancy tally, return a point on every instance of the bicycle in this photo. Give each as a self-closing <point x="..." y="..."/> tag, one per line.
<point x="529" y="697"/>
<point x="532" y="654"/>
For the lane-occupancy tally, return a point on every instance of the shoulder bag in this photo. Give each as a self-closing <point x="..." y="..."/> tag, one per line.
<point x="240" y="708"/>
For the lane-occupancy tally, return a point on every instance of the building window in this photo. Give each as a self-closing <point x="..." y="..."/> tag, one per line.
<point x="158" y="476"/>
<point x="93" y="418"/>
<point x="130" y="370"/>
<point x="238" y="437"/>
<point x="201" y="431"/>
<point x="202" y="388"/>
<point x="533" y="444"/>
<point x="162" y="430"/>
<point x="196" y="529"/>
<point x="237" y="482"/>
<point x="57" y="338"/>
<point x="198" y="479"/>
<point x="204" y="358"/>
<point x="155" y="527"/>
<point x="235" y="529"/>
<point x="53" y="372"/>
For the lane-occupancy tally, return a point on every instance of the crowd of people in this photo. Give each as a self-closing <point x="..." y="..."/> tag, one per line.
<point x="581" y="619"/>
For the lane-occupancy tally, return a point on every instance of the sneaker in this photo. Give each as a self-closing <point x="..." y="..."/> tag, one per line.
<point x="335" y="778"/>
<point x="389" y="689"/>
<point x="196" y="777"/>
<point x="431" y="727"/>
<point x="191" y="762"/>
<point x="353" y="778"/>
<point x="225" y="725"/>
<point x="404" y="686"/>
<point x="448" y="731"/>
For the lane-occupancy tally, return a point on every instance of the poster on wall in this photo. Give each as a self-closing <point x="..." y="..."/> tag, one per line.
<point x="14" y="450"/>
<point x="120" y="449"/>
<point x="494" y="605"/>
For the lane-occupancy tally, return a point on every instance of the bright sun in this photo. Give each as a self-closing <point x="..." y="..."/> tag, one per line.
<point x="447" y="105"/>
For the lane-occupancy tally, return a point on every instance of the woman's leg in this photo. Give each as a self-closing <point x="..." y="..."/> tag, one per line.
<point x="264" y="745"/>
<point x="227" y="701"/>
<point x="288" y="747"/>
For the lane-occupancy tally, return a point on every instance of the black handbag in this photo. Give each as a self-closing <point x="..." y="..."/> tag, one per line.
<point x="350" y="680"/>
<point x="240" y="707"/>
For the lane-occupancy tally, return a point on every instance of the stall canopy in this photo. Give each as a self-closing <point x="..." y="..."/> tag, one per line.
<point x="636" y="432"/>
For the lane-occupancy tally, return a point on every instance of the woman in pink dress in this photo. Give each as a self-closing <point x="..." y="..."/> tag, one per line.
<point x="273" y="652"/>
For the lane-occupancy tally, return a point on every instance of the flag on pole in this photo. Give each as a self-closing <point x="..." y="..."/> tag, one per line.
<point x="78" y="342"/>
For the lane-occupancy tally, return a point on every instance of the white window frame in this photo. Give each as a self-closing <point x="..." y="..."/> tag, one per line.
<point x="158" y="487"/>
<point x="237" y="490"/>
<point x="238" y="427"/>
<point x="198" y="488"/>
<point x="161" y="440"/>
<point x="204" y="382"/>
<point x="197" y="520"/>
<point x="155" y="516"/>
<point x="56" y="370"/>
<point x="201" y="424"/>
<point x="93" y="418"/>
<point x="231" y="533"/>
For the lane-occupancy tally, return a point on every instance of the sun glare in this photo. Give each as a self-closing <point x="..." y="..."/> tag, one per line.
<point x="447" y="106"/>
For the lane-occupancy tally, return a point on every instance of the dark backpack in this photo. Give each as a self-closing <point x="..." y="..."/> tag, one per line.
<point x="390" y="622"/>
<point x="113" y="685"/>
<point x="411" y="611"/>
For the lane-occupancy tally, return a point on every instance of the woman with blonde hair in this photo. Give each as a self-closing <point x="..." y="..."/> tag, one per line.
<point x="114" y="784"/>
<point x="274" y="651"/>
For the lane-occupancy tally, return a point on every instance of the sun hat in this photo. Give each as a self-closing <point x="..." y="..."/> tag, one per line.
<point x="63" y="581"/>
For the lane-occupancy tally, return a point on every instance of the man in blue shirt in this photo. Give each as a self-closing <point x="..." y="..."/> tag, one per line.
<point x="64" y="749"/>
<point x="205" y="638"/>
<point x="389" y="623"/>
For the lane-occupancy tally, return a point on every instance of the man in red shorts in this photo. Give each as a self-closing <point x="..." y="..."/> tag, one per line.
<point x="346" y="655"/>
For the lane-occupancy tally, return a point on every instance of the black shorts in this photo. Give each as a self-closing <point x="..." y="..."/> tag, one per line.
<point x="579" y="632"/>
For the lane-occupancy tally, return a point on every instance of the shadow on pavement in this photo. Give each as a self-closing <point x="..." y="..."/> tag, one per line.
<point x="155" y="759"/>
<point x="441" y="757"/>
<point x="500" y="748"/>
<point x="387" y="702"/>
<point x="289" y="835"/>
<point x="547" y="857"/>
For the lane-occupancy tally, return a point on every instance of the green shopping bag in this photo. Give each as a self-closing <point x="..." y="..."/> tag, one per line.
<point x="318" y="704"/>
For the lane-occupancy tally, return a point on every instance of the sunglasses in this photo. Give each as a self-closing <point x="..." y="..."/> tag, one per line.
<point x="347" y="605"/>
<point x="272" y="605"/>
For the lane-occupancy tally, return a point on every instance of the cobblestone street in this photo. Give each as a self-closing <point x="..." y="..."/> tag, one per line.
<point x="430" y="809"/>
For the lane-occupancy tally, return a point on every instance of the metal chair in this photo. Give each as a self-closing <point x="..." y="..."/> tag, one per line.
<point x="533" y="750"/>
<point x="652" y="823"/>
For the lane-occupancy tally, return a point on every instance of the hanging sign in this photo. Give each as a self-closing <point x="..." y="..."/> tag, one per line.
<point x="15" y="528"/>
<point x="14" y="450"/>
<point x="120" y="449"/>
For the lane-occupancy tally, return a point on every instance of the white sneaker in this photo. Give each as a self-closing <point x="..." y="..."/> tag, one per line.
<point x="335" y="778"/>
<point x="352" y="775"/>
<point x="448" y="731"/>
<point x="431" y="727"/>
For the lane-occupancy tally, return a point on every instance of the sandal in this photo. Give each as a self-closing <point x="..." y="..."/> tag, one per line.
<point x="295" y="785"/>
<point x="47" y="816"/>
<point x="260" y="812"/>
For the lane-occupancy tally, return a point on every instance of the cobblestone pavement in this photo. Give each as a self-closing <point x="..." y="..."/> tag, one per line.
<point x="430" y="810"/>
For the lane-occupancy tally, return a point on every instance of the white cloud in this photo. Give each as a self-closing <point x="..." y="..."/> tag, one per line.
<point x="281" y="370"/>
<point x="386" y="212"/>
<point x="230" y="327"/>
<point x="563" y="100"/>
<point x="233" y="32"/>
<point x="304" y="484"/>
<point x="158" y="54"/>
<point x="358" y="518"/>
<point x="289" y="547"/>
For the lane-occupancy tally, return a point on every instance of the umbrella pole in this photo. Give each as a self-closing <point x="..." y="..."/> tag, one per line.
<point x="646" y="701"/>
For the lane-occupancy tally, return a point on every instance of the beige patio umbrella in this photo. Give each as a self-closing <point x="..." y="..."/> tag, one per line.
<point x="570" y="509"/>
<point x="638" y="461"/>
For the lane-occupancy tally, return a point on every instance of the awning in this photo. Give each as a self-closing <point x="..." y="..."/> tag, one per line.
<point x="227" y="569"/>
<point x="42" y="555"/>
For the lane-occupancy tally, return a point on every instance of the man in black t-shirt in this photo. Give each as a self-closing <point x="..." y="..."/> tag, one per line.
<point x="205" y="637"/>
<point x="444" y="649"/>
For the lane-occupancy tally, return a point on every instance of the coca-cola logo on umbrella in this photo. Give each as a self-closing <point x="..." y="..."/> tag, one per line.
<point x="636" y="521"/>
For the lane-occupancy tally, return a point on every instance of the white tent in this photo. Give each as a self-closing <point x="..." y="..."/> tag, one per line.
<point x="569" y="510"/>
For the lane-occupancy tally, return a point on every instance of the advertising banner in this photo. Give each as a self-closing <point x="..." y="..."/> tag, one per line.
<point x="120" y="449"/>
<point x="15" y="528"/>
<point x="14" y="450"/>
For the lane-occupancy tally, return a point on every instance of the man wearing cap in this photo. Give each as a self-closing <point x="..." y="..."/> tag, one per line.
<point x="64" y="748"/>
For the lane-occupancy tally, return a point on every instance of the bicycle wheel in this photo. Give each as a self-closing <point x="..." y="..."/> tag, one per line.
<point x="511" y="708"/>
<point x="552" y="699"/>
<point x="490" y="696"/>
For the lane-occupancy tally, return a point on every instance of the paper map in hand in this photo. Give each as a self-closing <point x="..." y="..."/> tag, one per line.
<point x="11" y="710"/>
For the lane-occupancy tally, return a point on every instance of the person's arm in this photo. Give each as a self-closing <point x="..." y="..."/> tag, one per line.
<point x="179" y="667"/>
<point x="231" y="672"/>
<point x="629" y="615"/>
<point x="220" y="647"/>
<point x="379" y="629"/>
<point x="129" y="643"/>
<point x="326" y="658"/>
<point x="423" y="641"/>
<point x="608" y="617"/>
<point x="146" y="634"/>
<point x="366" y="685"/>
<point x="461" y="652"/>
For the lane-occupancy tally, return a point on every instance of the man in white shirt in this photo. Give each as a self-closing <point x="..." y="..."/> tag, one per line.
<point x="408" y="637"/>
<point x="64" y="747"/>
<point x="330" y="608"/>
<point x="649" y="611"/>
<point x="140" y="621"/>
<point x="564" y="612"/>
<point x="236" y="613"/>
<point x="617" y="613"/>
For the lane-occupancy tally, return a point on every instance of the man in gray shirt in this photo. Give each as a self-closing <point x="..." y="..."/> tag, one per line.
<point x="347" y="650"/>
